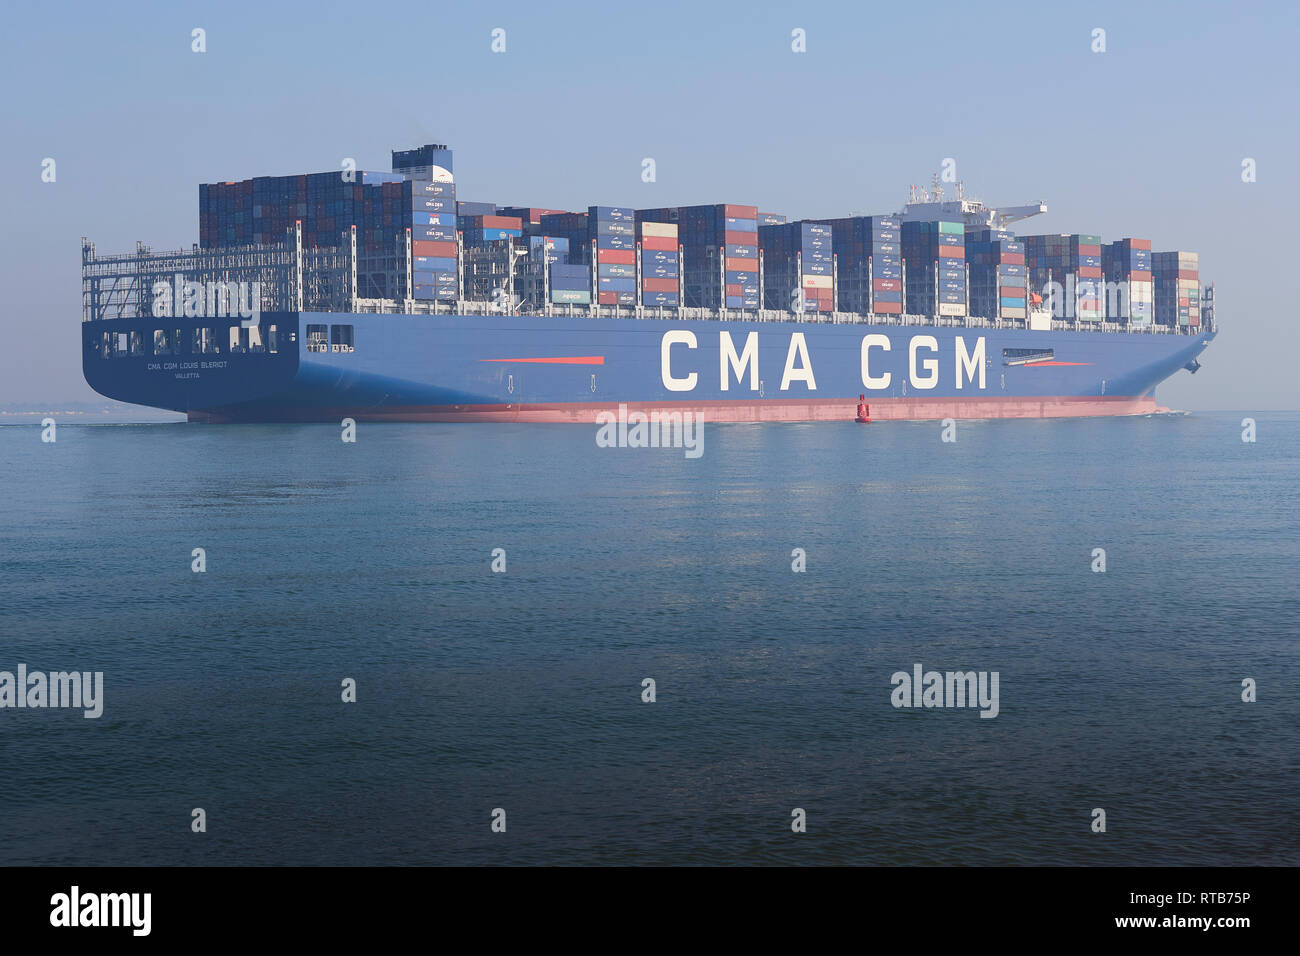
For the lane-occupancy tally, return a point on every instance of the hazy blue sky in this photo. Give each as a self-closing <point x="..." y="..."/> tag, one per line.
<point x="1146" y="139"/>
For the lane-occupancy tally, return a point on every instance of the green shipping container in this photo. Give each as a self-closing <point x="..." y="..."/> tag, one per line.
<point x="952" y="227"/>
<point x="570" y="297"/>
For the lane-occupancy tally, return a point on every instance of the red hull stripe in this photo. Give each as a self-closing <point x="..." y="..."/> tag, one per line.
<point x="772" y="410"/>
<point x="572" y="360"/>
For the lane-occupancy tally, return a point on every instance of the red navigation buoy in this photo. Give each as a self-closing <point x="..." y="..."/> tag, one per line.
<point x="864" y="411"/>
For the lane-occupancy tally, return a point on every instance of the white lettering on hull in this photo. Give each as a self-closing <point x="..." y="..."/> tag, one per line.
<point x="970" y="362"/>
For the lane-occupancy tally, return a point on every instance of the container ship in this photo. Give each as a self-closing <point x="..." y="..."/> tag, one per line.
<point x="384" y="297"/>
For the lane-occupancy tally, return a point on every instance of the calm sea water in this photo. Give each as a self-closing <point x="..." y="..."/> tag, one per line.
<point x="522" y="690"/>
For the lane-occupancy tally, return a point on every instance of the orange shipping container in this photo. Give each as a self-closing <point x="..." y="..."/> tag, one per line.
<point x="624" y="256"/>
<point x="607" y="298"/>
<point x="440" y="250"/>
<point x="745" y="265"/>
<point x="661" y="285"/>
<point x="660" y="243"/>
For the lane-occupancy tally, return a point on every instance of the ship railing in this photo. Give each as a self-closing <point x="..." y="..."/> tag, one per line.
<point x="297" y="279"/>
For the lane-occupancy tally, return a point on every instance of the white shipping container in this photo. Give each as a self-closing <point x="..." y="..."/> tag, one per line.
<point x="816" y="282"/>
<point x="666" y="230"/>
<point x="952" y="308"/>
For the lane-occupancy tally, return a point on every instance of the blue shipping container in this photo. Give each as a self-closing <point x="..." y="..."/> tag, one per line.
<point x="661" y="299"/>
<point x="433" y="264"/>
<point x="612" y="213"/>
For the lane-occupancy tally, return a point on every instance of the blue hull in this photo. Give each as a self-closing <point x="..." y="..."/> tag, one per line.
<point x="561" y="368"/>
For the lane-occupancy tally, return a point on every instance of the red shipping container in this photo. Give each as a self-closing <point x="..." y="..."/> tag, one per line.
<point x="1139" y="243"/>
<point x="663" y="285"/>
<point x="625" y="256"/>
<point x="885" y="308"/>
<point x="1013" y="258"/>
<point x="498" y="222"/>
<point x="952" y="252"/>
<point x="1187" y="273"/>
<point x="660" y="243"/>
<point x="737" y="238"/>
<point x="1138" y="275"/>
<point x="427" y="247"/>
<point x="733" y="288"/>
<point x="746" y="265"/>
<point x="887" y="285"/>
<point x="1184" y="303"/>
<point x="1089" y="272"/>
<point x="1088" y="250"/>
<point x="740" y="212"/>
<point x="1011" y="292"/>
<point x="607" y="298"/>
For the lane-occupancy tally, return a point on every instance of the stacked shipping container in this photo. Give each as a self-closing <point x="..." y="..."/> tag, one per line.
<point x="797" y="267"/>
<point x="870" y="264"/>
<point x="614" y="230"/>
<point x="660" y="264"/>
<point x="480" y="229"/>
<point x="434" y="247"/>
<point x="1074" y="262"/>
<point x="998" y="275"/>
<point x="1126" y="267"/>
<point x="701" y="256"/>
<point x="935" y="255"/>
<point x="1177" y="288"/>
<point x="720" y="245"/>
<point x="571" y="284"/>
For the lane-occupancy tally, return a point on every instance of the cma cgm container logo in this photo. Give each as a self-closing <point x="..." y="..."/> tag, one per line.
<point x="738" y="363"/>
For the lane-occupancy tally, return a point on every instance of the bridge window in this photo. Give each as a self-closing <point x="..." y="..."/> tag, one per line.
<point x="255" y="339"/>
<point x="272" y="339"/>
<point x="205" y="342"/>
<point x="341" y="338"/>
<point x="121" y="344"/>
<point x="318" y="338"/>
<point x="164" y="342"/>
<point x="241" y="339"/>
